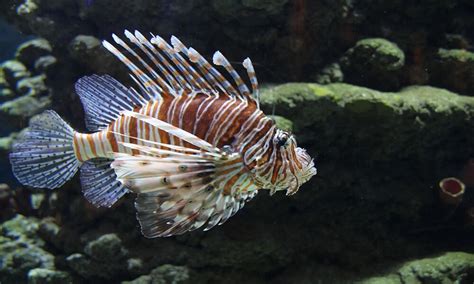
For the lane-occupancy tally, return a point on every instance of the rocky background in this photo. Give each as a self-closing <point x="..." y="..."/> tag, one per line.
<point x="382" y="142"/>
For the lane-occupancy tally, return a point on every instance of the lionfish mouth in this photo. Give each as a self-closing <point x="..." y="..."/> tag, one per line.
<point x="308" y="171"/>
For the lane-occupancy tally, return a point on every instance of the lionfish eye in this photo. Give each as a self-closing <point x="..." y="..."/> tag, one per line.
<point x="281" y="141"/>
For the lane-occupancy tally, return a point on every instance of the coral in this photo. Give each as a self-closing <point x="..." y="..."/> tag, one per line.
<point x="451" y="191"/>
<point x="373" y="62"/>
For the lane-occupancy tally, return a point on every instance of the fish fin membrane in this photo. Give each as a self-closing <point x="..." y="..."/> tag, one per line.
<point x="43" y="156"/>
<point x="179" y="192"/>
<point x="99" y="183"/>
<point x="103" y="98"/>
<point x="168" y="68"/>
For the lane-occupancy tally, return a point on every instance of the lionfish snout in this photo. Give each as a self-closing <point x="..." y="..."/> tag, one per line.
<point x="307" y="171"/>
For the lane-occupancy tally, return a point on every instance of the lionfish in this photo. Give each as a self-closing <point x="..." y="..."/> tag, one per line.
<point x="193" y="146"/>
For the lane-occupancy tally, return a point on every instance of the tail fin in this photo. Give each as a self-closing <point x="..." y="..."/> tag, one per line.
<point x="44" y="155"/>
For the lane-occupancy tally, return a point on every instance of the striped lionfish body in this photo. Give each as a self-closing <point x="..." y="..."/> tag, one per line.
<point x="193" y="146"/>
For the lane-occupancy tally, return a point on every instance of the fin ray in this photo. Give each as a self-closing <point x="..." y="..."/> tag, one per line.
<point x="99" y="183"/>
<point x="44" y="156"/>
<point x="104" y="98"/>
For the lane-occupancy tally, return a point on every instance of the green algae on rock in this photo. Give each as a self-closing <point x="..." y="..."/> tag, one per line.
<point x="13" y="71"/>
<point x="164" y="274"/>
<point x="17" y="112"/>
<point x="21" y="249"/>
<point x="450" y="267"/>
<point x="48" y="276"/>
<point x="29" y="51"/>
<point x="453" y="69"/>
<point x="373" y="62"/>
<point x="377" y="126"/>
<point x="104" y="258"/>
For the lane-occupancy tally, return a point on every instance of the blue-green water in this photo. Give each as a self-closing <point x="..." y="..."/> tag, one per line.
<point x="380" y="93"/>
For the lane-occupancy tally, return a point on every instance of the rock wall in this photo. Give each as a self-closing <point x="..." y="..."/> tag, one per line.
<point x="380" y="144"/>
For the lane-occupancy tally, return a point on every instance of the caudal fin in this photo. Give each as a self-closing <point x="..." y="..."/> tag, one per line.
<point x="44" y="155"/>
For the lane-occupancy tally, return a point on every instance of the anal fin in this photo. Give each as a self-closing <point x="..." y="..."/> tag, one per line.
<point x="99" y="183"/>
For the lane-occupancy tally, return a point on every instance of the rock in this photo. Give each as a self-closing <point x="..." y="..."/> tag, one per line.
<point x="49" y="231"/>
<point x="37" y="200"/>
<point x="32" y="86"/>
<point x="14" y="71"/>
<point x="453" y="69"/>
<point x="29" y="7"/>
<point x="45" y="64"/>
<point x="450" y="267"/>
<point x="3" y="82"/>
<point x="268" y="6"/>
<point x="165" y="274"/>
<point x="84" y="45"/>
<point x="83" y="266"/>
<point x="135" y="266"/>
<point x="15" y="113"/>
<point x="28" y="52"/>
<point x="48" y="276"/>
<point x="20" y="227"/>
<point x="88" y="51"/>
<point x="145" y="279"/>
<point x="104" y="257"/>
<point x="455" y="41"/>
<point x="21" y="250"/>
<point x="105" y="248"/>
<point x="330" y="74"/>
<point x="419" y="120"/>
<point x="283" y="123"/>
<point x="373" y="62"/>
<point x="6" y="94"/>
<point x="6" y="142"/>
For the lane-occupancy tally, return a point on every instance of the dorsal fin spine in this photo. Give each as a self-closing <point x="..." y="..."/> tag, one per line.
<point x="219" y="59"/>
<point x="164" y="85"/>
<point x="147" y="82"/>
<point x="179" y="47"/>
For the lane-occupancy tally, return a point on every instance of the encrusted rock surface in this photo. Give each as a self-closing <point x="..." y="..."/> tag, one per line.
<point x="21" y="250"/>
<point x="410" y="142"/>
<point x="373" y="204"/>
<point x="373" y="62"/>
<point x="451" y="267"/>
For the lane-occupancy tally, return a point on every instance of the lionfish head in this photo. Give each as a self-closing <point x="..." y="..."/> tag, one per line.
<point x="290" y="165"/>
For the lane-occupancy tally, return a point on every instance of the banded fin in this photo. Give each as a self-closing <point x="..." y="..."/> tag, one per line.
<point x="104" y="98"/>
<point x="179" y="68"/>
<point x="43" y="156"/>
<point x="99" y="183"/>
<point x="179" y="189"/>
<point x="178" y="193"/>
